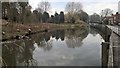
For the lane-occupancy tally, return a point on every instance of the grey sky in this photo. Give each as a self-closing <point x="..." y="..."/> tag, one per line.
<point x="90" y="6"/>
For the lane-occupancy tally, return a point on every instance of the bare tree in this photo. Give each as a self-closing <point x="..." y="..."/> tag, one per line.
<point x="39" y="10"/>
<point x="73" y="7"/>
<point x="106" y="12"/>
<point x="44" y="6"/>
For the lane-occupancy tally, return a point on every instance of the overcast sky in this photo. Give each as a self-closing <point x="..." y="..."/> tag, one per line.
<point x="89" y="6"/>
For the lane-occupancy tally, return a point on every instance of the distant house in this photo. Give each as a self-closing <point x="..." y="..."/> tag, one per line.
<point x="114" y="18"/>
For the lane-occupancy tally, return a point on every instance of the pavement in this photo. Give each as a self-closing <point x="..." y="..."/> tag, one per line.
<point x="115" y="29"/>
<point x="114" y="52"/>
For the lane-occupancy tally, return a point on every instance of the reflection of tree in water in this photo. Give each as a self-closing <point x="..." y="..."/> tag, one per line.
<point x="93" y="31"/>
<point x="18" y="53"/>
<point x="21" y="52"/>
<point x="8" y="54"/>
<point x="74" y="37"/>
<point x="46" y="42"/>
<point x="58" y="34"/>
<point x="43" y="42"/>
<point x="74" y="42"/>
<point x="46" y="45"/>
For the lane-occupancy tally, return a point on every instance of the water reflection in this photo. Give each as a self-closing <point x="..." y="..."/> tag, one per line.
<point x="58" y="34"/>
<point x="74" y="37"/>
<point x="93" y="32"/>
<point x="46" y="45"/>
<point x="18" y="53"/>
<point x="52" y="48"/>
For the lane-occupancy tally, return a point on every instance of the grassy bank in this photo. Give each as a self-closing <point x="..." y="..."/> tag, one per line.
<point x="11" y="30"/>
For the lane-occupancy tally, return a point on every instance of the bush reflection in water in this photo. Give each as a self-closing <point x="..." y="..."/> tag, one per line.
<point x="20" y="52"/>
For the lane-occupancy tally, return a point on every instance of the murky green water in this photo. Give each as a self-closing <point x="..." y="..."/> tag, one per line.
<point x="70" y="47"/>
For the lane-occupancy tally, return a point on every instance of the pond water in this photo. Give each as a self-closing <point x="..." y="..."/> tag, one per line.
<point x="68" y="47"/>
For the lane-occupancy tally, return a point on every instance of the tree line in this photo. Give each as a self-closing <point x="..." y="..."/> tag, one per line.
<point x="16" y="11"/>
<point x="103" y="17"/>
<point x="20" y="12"/>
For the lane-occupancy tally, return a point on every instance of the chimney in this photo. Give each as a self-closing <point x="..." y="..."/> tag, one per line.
<point x="117" y="13"/>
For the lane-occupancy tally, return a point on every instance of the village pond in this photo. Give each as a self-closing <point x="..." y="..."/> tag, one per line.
<point x="66" y="47"/>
